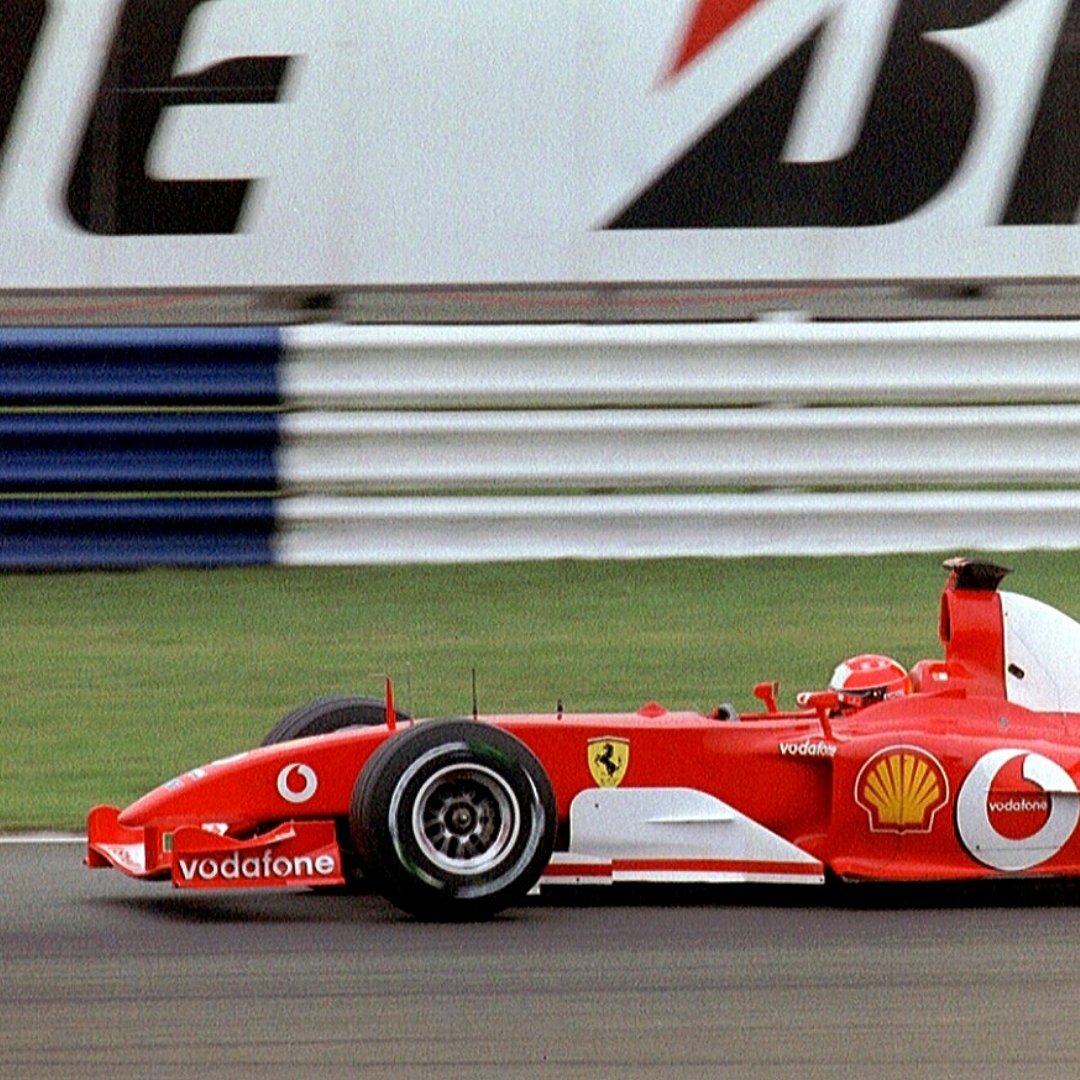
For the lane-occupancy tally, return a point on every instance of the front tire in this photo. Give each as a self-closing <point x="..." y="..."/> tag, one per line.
<point x="453" y="819"/>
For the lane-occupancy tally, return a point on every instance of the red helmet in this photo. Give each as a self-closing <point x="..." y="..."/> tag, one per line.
<point x="869" y="677"/>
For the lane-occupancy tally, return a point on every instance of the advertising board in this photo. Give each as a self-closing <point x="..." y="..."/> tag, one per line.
<point x="422" y="143"/>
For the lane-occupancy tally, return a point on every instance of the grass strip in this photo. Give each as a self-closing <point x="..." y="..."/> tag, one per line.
<point x="117" y="681"/>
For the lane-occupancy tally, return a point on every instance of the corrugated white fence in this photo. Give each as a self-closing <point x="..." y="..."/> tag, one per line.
<point x="783" y="437"/>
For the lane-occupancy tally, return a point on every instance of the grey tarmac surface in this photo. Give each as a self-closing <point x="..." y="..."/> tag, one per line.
<point x="103" y="976"/>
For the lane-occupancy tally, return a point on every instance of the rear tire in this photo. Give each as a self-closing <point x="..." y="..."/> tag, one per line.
<point x="326" y="715"/>
<point x="453" y="820"/>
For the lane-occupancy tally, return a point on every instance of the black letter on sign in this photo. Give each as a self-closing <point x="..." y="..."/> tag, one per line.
<point x="915" y="135"/>
<point x="109" y="192"/>
<point x="20" y="24"/>
<point x="1047" y="187"/>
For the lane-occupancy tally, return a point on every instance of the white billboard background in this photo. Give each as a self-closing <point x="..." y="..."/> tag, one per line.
<point x="450" y="142"/>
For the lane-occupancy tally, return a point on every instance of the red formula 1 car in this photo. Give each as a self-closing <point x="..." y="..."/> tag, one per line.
<point x="965" y="768"/>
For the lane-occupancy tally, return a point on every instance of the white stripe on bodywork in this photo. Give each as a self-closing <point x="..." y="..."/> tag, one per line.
<point x="679" y="834"/>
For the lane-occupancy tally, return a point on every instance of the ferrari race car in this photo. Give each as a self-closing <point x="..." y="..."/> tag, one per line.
<point x="963" y="768"/>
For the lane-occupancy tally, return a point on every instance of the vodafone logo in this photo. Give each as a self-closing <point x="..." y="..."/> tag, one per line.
<point x="808" y="749"/>
<point x="297" y="783"/>
<point x="237" y="868"/>
<point x="1016" y="809"/>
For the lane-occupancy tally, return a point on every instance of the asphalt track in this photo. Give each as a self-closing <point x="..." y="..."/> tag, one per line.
<point x="107" y="977"/>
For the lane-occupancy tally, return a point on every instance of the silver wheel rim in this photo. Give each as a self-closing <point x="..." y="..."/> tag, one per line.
<point x="465" y="819"/>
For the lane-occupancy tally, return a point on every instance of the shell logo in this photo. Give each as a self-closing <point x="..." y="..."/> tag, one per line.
<point x="901" y="788"/>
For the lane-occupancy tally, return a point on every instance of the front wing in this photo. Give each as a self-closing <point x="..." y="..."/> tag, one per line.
<point x="295" y="854"/>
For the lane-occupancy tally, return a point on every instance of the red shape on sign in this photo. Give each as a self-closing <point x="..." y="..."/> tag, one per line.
<point x="710" y="20"/>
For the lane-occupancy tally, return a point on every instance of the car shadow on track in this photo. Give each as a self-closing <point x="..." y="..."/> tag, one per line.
<point x="852" y="896"/>
<point x="285" y="907"/>
<point x="332" y="907"/>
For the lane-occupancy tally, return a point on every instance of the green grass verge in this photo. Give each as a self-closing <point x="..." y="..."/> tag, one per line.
<point x="115" y="682"/>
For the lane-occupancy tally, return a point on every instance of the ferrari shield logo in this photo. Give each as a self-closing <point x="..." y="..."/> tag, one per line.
<point x="608" y="758"/>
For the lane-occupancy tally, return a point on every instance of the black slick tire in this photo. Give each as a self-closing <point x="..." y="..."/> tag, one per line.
<point x="325" y="715"/>
<point x="453" y="819"/>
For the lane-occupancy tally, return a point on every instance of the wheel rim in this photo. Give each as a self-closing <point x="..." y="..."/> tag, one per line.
<point x="465" y="819"/>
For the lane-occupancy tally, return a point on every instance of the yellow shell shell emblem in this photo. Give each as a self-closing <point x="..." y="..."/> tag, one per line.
<point x="608" y="757"/>
<point x="901" y="788"/>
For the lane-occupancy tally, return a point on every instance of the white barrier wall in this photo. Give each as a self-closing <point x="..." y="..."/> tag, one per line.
<point x="314" y="531"/>
<point x="688" y="448"/>
<point x="457" y="444"/>
<point x="698" y="364"/>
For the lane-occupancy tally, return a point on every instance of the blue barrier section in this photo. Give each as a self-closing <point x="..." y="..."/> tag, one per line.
<point x="138" y="452"/>
<point x="150" y="366"/>
<point x="88" y="534"/>
<point x="137" y="447"/>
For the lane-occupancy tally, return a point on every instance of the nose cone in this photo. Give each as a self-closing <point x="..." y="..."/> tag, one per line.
<point x="195" y="797"/>
<point x="301" y="778"/>
<point x="157" y="807"/>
